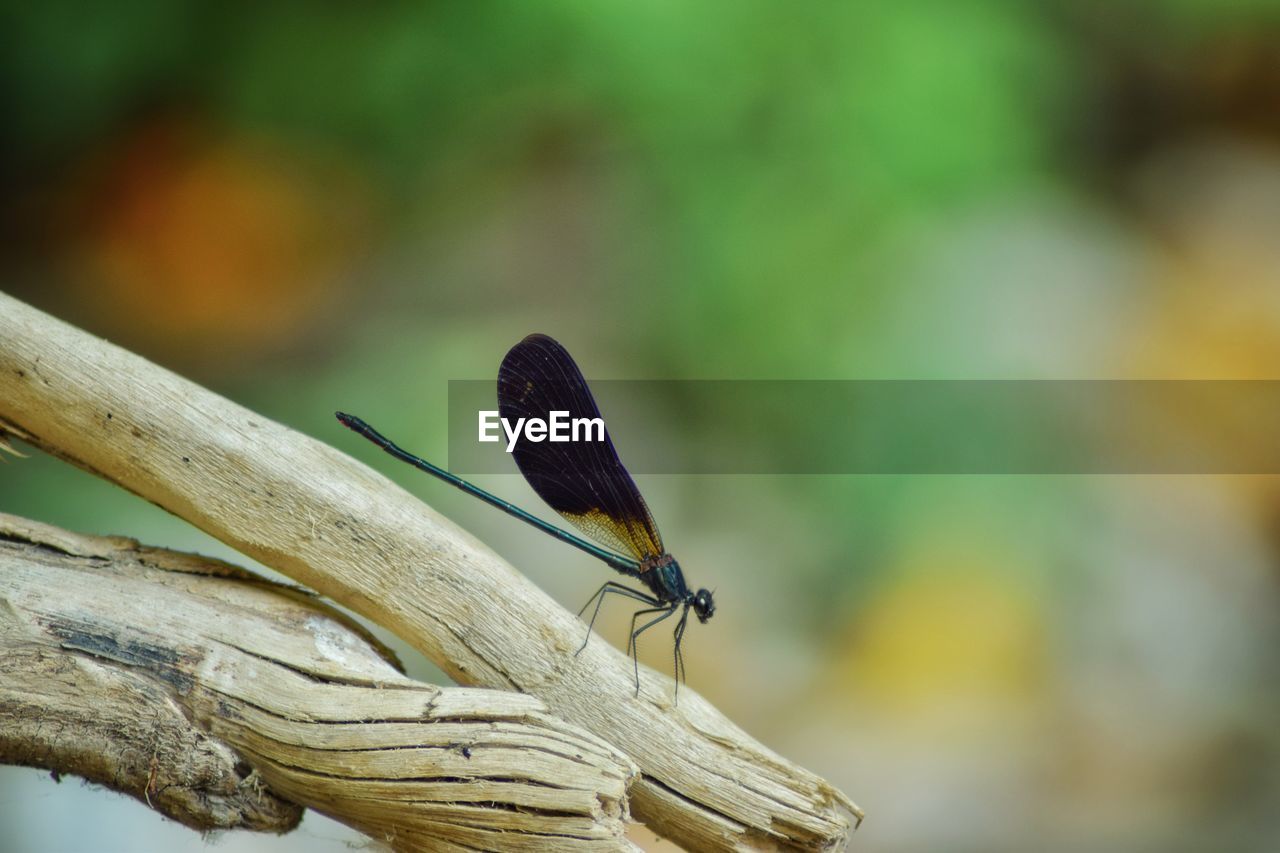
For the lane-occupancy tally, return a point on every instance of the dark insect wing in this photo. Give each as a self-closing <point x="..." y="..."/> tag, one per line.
<point x="584" y="481"/>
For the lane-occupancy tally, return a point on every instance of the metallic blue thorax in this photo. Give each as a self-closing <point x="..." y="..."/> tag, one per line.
<point x="663" y="576"/>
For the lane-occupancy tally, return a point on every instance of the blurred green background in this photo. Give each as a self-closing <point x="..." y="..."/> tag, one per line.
<point x="322" y="206"/>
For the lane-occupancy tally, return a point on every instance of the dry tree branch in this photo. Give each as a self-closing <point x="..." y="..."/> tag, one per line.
<point x="221" y="700"/>
<point x="319" y="517"/>
<point x="156" y="673"/>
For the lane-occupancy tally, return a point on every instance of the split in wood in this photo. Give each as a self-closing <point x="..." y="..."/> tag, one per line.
<point x="225" y="701"/>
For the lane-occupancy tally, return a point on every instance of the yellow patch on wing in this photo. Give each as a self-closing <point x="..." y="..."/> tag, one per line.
<point x="627" y="536"/>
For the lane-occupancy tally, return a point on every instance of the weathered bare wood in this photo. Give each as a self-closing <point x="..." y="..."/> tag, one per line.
<point x="222" y="700"/>
<point x="318" y="516"/>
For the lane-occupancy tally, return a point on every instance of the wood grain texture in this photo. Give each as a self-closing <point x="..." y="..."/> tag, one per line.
<point x="334" y="525"/>
<point x="225" y="701"/>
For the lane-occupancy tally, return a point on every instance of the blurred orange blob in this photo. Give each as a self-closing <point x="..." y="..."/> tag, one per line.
<point x="947" y="630"/>
<point x="211" y="248"/>
<point x="1215" y="311"/>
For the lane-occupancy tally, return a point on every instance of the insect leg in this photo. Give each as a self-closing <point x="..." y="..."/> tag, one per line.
<point x="662" y="608"/>
<point x="631" y="645"/>
<point x="679" y="655"/>
<point x="598" y="598"/>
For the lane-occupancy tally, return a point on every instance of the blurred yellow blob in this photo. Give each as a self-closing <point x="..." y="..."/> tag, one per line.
<point x="1214" y="307"/>
<point x="946" y="629"/>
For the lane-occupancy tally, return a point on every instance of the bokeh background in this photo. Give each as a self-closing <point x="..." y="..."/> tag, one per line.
<point x="314" y="206"/>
